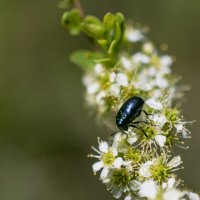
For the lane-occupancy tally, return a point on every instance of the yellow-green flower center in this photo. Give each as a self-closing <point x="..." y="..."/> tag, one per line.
<point x="150" y="131"/>
<point x="160" y="172"/>
<point x="108" y="158"/>
<point x="120" y="177"/>
<point x="133" y="155"/>
<point x="172" y="114"/>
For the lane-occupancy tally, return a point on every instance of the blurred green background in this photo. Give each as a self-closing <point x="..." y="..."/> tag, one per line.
<point x="45" y="132"/>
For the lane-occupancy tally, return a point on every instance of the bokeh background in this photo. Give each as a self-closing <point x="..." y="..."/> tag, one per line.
<point x="45" y="132"/>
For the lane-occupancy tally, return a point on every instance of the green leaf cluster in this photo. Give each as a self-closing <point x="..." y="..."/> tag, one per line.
<point x="106" y="34"/>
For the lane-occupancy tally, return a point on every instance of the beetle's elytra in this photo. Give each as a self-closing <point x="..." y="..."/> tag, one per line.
<point x="128" y="112"/>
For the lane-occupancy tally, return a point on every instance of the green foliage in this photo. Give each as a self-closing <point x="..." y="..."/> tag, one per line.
<point x="85" y="59"/>
<point x="72" y="21"/>
<point x="107" y="33"/>
<point x="92" y="27"/>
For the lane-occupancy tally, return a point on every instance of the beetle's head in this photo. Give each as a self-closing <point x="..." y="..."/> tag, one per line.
<point x="123" y="127"/>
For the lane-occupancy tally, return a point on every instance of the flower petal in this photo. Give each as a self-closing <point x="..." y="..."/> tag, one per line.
<point x="97" y="166"/>
<point x="154" y="104"/>
<point x="148" y="189"/>
<point x="169" y="184"/>
<point x="118" y="162"/>
<point x="114" y="90"/>
<point x="122" y="79"/>
<point x="104" y="172"/>
<point x="144" y="169"/>
<point x="126" y="63"/>
<point x="103" y="147"/>
<point x="128" y="197"/>
<point x="176" y="161"/>
<point x="193" y="196"/>
<point x="159" y="119"/>
<point x="173" y="194"/>
<point x="160" y="140"/>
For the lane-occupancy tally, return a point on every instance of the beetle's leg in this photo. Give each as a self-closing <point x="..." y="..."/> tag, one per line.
<point x="118" y="132"/>
<point x="140" y="122"/>
<point x="115" y="132"/>
<point x="134" y="126"/>
<point x="146" y="113"/>
<point x="144" y="122"/>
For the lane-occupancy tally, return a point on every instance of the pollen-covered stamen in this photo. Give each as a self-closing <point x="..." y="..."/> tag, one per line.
<point x="121" y="177"/>
<point x="108" y="158"/>
<point x="133" y="155"/>
<point x="160" y="172"/>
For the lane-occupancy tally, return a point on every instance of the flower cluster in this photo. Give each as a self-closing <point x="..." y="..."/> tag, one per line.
<point x="143" y="72"/>
<point x="136" y="163"/>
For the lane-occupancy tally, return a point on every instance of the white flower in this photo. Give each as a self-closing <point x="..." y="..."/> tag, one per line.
<point x="118" y="182"/>
<point x="134" y="35"/>
<point x="152" y="103"/>
<point x="114" y="90"/>
<point x="161" y="82"/>
<point x="166" y="61"/>
<point x="98" y="68"/>
<point x="148" y="189"/>
<point x="181" y="129"/>
<point x="160" y="140"/>
<point x="107" y="159"/>
<point x="112" y="76"/>
<point x="140" y="58"/>
<point x="152" y="71"/>
<point x="88" y="79"/>
<point x="156" y="93"/>
<point x="93" y="88"/>
<point x="122" y="79"/>
<point x="143" y="85"/>
<point x="100" y="96"/>
<point x="193" y="196"/>
<point x="144" y="170"/>
<point x="126" y="63"/>
<point x="148" y="47"/>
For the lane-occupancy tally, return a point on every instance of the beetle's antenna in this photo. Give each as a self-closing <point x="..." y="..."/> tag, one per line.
<point x="115" y="132"/>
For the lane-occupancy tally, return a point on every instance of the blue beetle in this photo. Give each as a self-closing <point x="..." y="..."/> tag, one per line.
<point x="129" y="111"/>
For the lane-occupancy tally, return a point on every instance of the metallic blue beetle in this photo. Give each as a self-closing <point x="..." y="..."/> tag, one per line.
<point x="128" y="112"/>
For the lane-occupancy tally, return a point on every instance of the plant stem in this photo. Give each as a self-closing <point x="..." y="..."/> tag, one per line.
<point x="78" y="5"/>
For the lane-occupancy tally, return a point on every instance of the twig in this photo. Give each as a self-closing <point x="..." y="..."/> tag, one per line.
<point x="78" y="5"/>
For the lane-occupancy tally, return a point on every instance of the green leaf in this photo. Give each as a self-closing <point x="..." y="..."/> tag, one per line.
<point x="120" y="18"/>
<point x="90" y="19"/>
<point x="92" y="26"/>
<point x="92" y="30"/>
<point x="85" y="59"/>
<point x="103" y="60"/>
<point x="72" y="21"/>
<point x="108" y="21"/>
<point x="112" y="47"/>
<point x="103" y="43"/>
<point x="113" y="31"/>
